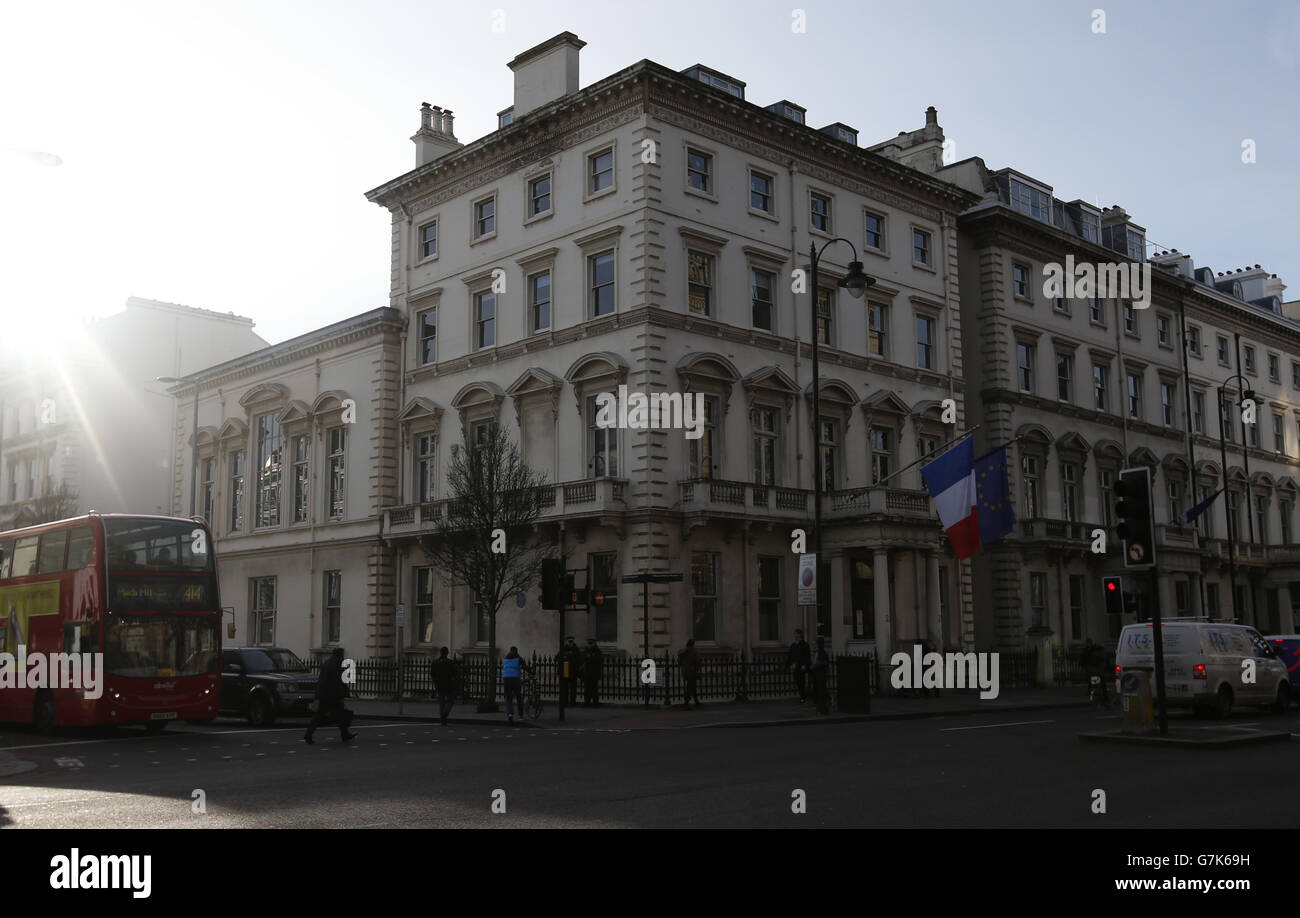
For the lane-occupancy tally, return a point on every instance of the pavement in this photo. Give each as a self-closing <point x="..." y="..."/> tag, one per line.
<point x="765" y="713"/>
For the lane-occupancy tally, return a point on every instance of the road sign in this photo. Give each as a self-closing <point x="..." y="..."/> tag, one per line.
<point x="808" y="579"/>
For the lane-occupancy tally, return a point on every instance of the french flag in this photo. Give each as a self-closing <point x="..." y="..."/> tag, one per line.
<point x="950" y="480"/>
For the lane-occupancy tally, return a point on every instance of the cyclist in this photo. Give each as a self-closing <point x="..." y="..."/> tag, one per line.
<point x="511" y="671"/>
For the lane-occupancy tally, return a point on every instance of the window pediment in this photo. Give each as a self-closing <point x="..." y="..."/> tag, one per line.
<point x="264" y="394"/>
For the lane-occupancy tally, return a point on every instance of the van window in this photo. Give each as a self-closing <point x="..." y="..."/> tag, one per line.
<point x="25" y="556"/>
<point x="54" y="545"/>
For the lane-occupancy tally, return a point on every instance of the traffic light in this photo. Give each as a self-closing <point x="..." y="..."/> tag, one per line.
<point x="1131" y="605"/>
<point x="1136" y="527"/>
<point x="1113" y="589"/>
<point x="552" y="569"/>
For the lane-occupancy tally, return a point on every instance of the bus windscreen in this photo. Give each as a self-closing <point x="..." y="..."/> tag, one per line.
<point x="157" y="546"/>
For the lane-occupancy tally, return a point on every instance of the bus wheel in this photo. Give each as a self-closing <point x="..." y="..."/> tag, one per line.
<point x="260" y="712"/>
<point x="44" y="716"/>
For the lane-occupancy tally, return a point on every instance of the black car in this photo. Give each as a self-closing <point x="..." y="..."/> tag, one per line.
<point x="263" y="683"/>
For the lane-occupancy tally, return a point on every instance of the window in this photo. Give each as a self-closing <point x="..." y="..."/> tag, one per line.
<point x="882" y="453"/>
<point x="920" y="247"/>
<point x="261" y="625"/>
<point x="539" y="195"/>
<point x="1064" y="377"/>
<point x="825" y="316"/>
<point x="237" y="491"/>
<point x="1025" y="366"/>
<point x="1094" y="311"/>
<point x="1234" y="514"/>
<point x="1174" y="491"/>
<point x="269" y="457"/>
<point x="485" y="217"/>
<point x="602" y="283"/>
<point x="760" y="191"/>
<point x="1020" y="281"/>
<point x="208" y="488"/>
<point x="830" y="441"/>
<point x="24" y="559"/>
<point x="485" y="319"/>
<point x="820" y="212"/>
<point x="429" y="240"/>
<point x="1167" y="403"/>
<point x="13" y="482"/>
<point x="1099" y="373"/>
<point x="1038" y="599"/>
<point x="1206" y="520"/>
<point x="81" y="545"/>
<point x="1090" y="226"/>
<point x="424" y="480"/>
<point x="704" y="450"/>
<point x="1295" y="375"/>
<point x="1070" y="491"/>
<point x="539" y="300"/>
<point x="604" y="578"/>
<point x="600" y="171"/>
<point x="926" y="445"/>
<point x="765" y="433"/>
<point x="301" y="477"/>
<point x="1226" y="426"/>
<point x="1248" y="354"/>
<point x="878" y="330"/>
<point x="1285" y="509"/>
<point x="699" y="171"/>
<point x="1198" y="412"/>
<point x="52" y="551"/>
<point x="337" y="438"/>
<point x="1029" y="473"/>
<point x="1274" y="370"/>
<point x="1061" y="305"/>
<point x="602" y="445"/>
<point x="1279" y="438"/>
<point x="1136" y="246"/>
<point x="1162" y="330"/>
<point x="875" y="229"/>
<point x="925" y="342"/>
<point x="1194" y="340"/>
<point x="1254" y="433"/>
<point x="762" y="284"/>
<point x="1221" y="344"/>
<point x="699" y="278"/>
<point x="1077" y="614"/>
<point x="1106" y="493"/>
<point x="769" y="598"/>
<point x="333" y="595"/>
<point x="1130" y="319"/>
<point x="424" y="604"/>
<point x="1261" y="518"/>
<point x="1212" y="598"/>
<point x="428" y="324"/>
<point x="1030" y="201"/>
<point x="704" y="594"/>
<point x="1134" y="395"/>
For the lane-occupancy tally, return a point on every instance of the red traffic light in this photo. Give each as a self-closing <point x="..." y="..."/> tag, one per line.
<point x="1111" y="585"/>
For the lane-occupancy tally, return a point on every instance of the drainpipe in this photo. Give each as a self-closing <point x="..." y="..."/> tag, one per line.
<point x="794" y="255"/>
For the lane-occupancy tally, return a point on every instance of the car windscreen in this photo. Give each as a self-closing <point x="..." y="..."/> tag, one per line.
<point x="286" y="661"/>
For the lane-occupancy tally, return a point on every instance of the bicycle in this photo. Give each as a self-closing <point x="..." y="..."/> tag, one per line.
<point x="532" y="706"/>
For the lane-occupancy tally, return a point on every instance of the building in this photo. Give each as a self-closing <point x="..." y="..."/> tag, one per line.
<point x="88" y="419"/>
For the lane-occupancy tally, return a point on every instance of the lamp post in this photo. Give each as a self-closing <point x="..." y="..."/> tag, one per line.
<point x="194" y="439"/>
<point x="1246" y="393"/>
<point x="855" y="282"/>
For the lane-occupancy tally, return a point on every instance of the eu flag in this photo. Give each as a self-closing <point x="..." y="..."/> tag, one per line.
<point x="993" y="496"/>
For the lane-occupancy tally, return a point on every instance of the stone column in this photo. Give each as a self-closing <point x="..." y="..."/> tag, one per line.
<point x="883" y="618"/>
<point x="935" y="625"/>
<point x="1287" y="621"/>
<point x="1165" y="595"/>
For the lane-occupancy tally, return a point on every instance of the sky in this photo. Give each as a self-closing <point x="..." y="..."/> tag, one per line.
<point x="217" y="154"/>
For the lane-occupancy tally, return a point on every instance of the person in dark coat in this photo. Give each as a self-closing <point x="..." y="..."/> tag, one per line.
<point x="443" y="671"/>
<point x="571" y="655"/>
<point x="799" y="660"/>
<point x="330" y="692"/>
<point x="689" y="661"/>
<point x="821" y="665"/>
<point x="592" y="664"/>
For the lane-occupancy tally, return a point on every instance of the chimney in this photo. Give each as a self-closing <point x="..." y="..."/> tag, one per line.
<point x="546" y="72"/>
<point x="931" y="116"/>
<point x="434" y="138"/>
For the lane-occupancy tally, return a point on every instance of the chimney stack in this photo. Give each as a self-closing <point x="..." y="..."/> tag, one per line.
<point x="434" y="138"/>
<point x="546" y="72"/>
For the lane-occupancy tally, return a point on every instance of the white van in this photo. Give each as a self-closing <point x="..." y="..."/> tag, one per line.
<point x="1204" y="664"/>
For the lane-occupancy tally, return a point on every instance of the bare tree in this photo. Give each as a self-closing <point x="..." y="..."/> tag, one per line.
<point x="487" y="538"/>
<point x="53" y="504"/>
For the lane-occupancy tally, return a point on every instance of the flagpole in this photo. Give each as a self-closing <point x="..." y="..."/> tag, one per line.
<point x="929" y="457"/>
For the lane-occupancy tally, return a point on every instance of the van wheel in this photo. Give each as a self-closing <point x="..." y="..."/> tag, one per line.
<point x="260" y="712"/>
<point x="1223" y="702"/>
<point x="44" y="716"/>
<point x="1283" y="699"/>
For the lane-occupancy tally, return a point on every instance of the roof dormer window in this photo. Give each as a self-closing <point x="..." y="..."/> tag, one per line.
<point x="1136" y="245"/>
<point x="1030" y="201"/>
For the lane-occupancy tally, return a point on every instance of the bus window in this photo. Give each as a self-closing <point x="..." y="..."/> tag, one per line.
<point x="6" y="558"/>
<point x="54" y="545"/>
<point x="81" y="543"/>
<point x="25" y="556"/>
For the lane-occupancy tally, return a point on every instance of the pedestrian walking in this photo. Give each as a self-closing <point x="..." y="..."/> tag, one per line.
<point x="821" y="665"/>
<point x="330" y="692"/>
<point x="443" y="671"/>
<point x="570" y="657"/>
<point x="689" y="661"/>
<point x="512" y="668"/>
<point x="592" y="665"/>
<point x="798" y="660"/>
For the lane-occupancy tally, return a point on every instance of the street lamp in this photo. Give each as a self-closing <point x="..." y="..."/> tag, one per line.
<point x="855" y="282"/>
<point x="1245" y="393"/>
<point x="194" y="439"/>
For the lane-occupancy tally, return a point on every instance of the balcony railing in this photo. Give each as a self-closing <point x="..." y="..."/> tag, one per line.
<point x="893" y="501"/>
<point x="1057" y="530"/>
<point x="591" y="496"/>
<point x="741" y="498"/>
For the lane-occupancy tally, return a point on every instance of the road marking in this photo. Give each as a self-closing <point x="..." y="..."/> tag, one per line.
<point x="1019" y="723"/>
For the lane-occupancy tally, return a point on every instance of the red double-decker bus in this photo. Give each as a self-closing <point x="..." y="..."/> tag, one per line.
<point x="141" y="590"/>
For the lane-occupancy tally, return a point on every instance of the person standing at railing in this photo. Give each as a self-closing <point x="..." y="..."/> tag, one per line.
<point x="570" y="661"/>
<point x="443" y="671"/>
<point x="512" y="668"/>
<point x="689" y="661"/>
<point x="593" y="664"/>
<point x="798" y="661"/>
